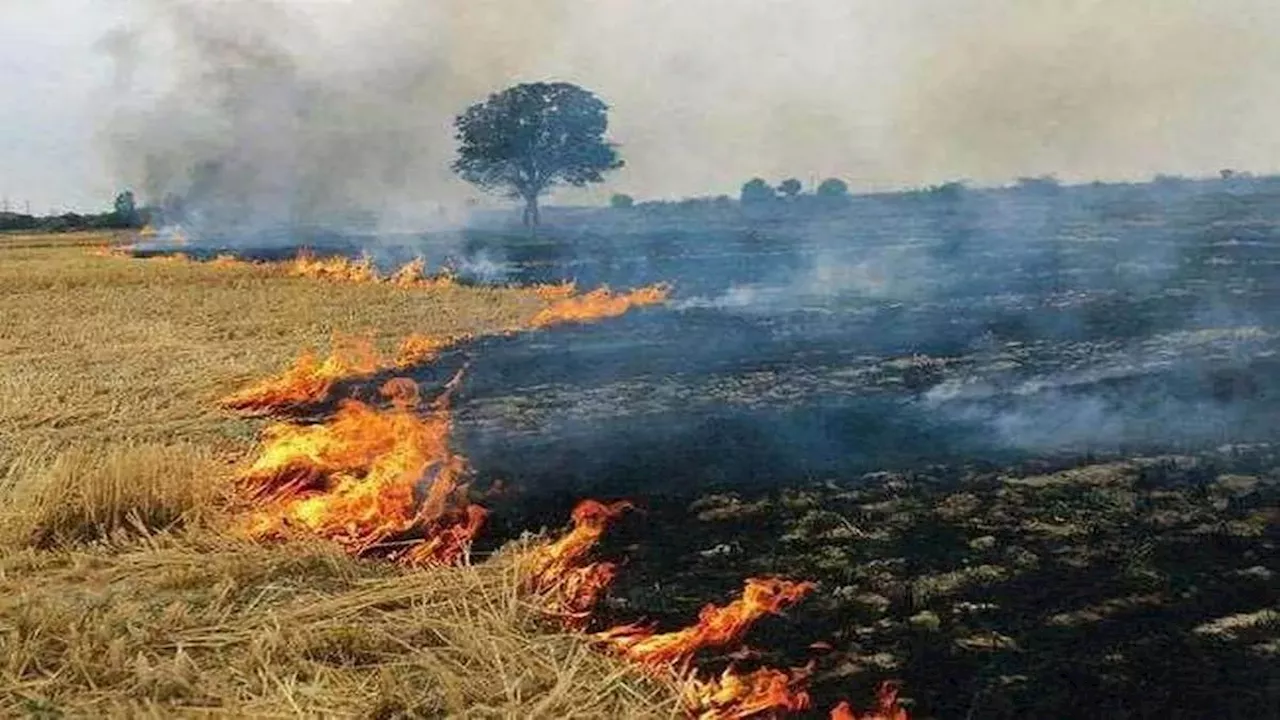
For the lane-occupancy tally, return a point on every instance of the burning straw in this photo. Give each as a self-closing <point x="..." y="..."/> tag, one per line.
<point x="309" y="380"/>
<point x="356" y="480"/>
<point x="386" y="482"/>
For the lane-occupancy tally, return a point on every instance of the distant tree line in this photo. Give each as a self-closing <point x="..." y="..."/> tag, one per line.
<point x="757" y="191"/>
<point x="124" y="215"/>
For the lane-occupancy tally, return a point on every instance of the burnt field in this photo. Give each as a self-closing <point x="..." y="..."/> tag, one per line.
<point x="1023" y="439"/>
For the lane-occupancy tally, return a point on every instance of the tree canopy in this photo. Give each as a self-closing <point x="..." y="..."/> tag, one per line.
<point x="833" y="188"/>
<point x="756" y="190"/>
<point x="533" y="136"/>
<point x="790" y="187"/>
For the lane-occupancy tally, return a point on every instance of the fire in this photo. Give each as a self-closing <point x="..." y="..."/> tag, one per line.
<point x="716" y="626"/>
<point x="111" y="250"/>
<point x="598" y="304"/>
<point x="736" y="695"/>
<point x="227" y="260"/>
<point x="556" y="572"/>
<point x="555" y="291"/>
<point x="308" y="380"/>
<point x="338" y="269"/>
<point x="887" y="707"/>
<point x="356" y="479"/>
<point x="413" y="276"/>
<point x="419" y="349"/>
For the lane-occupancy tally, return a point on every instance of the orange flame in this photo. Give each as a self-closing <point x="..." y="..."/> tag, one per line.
<point x="354" y="480"/>
<point x="555" y="291"/>
<point x="419" y="349"/>
<point x="308" y="380"/>
<point x="716" y="626"/>
<point x="338" y="269"/>
<point x="118" y="251"/>
<point x="598" y="304"/>
<point x="734" y="695"/>
<point x="887" y="707"/>
<point x="227" y="260"/>
<point x="556" y="571"/>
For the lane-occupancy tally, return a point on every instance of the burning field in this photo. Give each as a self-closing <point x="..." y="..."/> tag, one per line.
<point x="333" y="565"/>
<point x="923" y="471"/>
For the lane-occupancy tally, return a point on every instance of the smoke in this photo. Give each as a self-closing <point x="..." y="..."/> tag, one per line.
<point x="310" y="111"/>
<point x="271" y="113"/>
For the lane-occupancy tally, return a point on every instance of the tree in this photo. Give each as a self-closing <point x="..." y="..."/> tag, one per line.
<point x="531" y="137"/>
<point x="621" y="201"/>
<point x="790" y="187"/>
<point x="833" y="188"/>
<point x="126" y="210"/>
<point x="757" y="191"/>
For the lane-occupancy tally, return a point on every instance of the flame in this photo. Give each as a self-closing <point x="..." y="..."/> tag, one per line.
<point x="308" y="380"/>
<point x="227" y="260"/>
<point x="339" y="269"/>
<point x="111" y="250"/>
<point x="555" y="291"/>
<point x="716" y="626"/>
<point x="887" y="707"/>
<point x="598" y="304"/>
<point x="418" y="349"/>
<point x="556" y="571"/>
<point x="736" y="695"/>
<point x="412" y="276"/>
<point x="355" y="479"/>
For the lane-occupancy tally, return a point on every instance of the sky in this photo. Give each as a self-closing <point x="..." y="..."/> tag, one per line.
<point x="329" y="102"/>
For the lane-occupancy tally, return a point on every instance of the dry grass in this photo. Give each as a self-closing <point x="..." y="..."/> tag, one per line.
<point x="197" y="626"/>
<point x="89" y="494"/>
<point x="119" y="596"/>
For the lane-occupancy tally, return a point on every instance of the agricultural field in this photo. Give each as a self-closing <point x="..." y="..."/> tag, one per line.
<point x="1010" y="451"/>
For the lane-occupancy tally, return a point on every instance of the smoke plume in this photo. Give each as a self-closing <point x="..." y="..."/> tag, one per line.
<point x="306" y="111"/>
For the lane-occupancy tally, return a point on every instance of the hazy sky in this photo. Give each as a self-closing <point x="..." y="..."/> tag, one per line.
<point x="705" y="93"/>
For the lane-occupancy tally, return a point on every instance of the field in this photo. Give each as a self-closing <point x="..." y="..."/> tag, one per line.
<point x="1021" y="441"/>
<point x="122" y="594"/>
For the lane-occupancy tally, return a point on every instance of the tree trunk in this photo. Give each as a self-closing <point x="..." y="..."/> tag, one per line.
<point x="532" y="217"/>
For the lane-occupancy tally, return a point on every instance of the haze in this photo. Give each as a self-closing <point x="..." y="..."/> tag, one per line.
<point x="327" y="104"/>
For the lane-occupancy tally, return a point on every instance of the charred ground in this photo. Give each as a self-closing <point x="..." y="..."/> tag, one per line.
<point x="1022" y="440"/>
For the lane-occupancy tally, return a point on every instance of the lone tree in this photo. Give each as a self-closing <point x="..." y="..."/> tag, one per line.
<point x="125" y="214"/>
<point x="531" y="137"/>
<point x="622" y="201"/>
